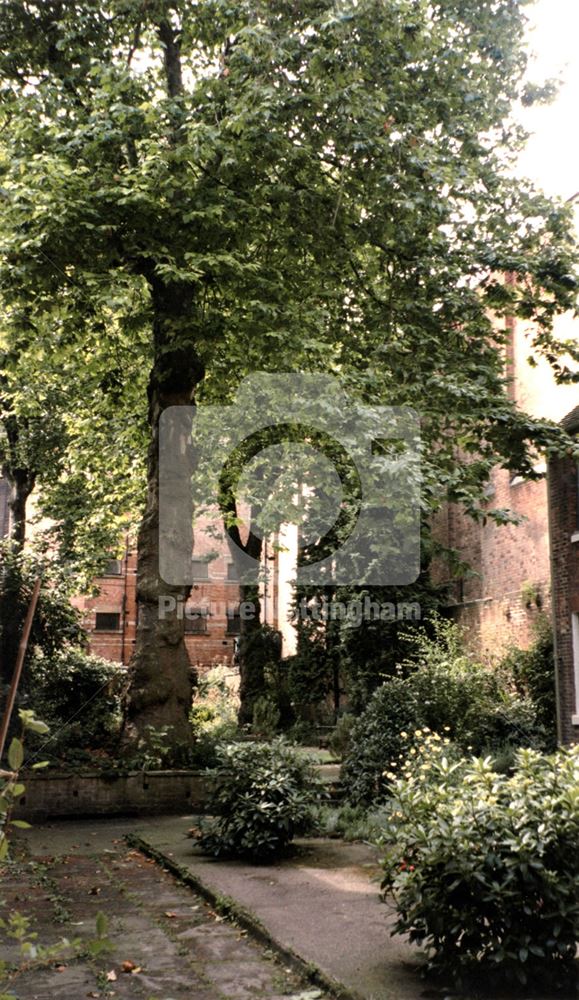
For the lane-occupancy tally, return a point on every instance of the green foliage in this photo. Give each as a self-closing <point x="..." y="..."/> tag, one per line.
<point x="213" y="715"/>
<point x="300" y="732"/>
<point x="265" y="795"/>
<point x="483" y="867"/>
<point x="11" y="787"/>
<point x="80" y="697"/>
<point x="262" y="674"/>
<point x="236" y="185"/>
<point x="129" y="193"/>
<point x="533" y="671"/>
<point x="337" y="655"/>
<point x="266" y="717"/>
<point x="352" y="823"/>
<point x="376" y="740"/>
<point x="443" y="690"/>
<point x="154" y="750"/>
<point x="339" y="741"/>
<point x="56" y="624"/>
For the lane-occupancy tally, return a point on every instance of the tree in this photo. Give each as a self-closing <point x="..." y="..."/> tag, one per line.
<point x="310" y="185"/>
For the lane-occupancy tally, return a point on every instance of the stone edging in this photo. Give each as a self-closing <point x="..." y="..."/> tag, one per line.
<point x="233" y="911"/>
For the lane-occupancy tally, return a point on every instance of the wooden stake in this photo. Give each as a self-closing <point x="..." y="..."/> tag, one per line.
<point x="19" y="665"/>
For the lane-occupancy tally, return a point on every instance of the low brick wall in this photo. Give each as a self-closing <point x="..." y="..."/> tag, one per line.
<point x="50" y="795"/>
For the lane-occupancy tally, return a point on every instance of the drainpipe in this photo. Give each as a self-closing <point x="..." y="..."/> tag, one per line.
<point x="125" y="600"/>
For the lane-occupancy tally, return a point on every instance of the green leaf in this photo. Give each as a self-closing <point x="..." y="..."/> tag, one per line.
<point x="21" y="824"/>
<point x="36" y="726"/>
<point x="16" y="754"/>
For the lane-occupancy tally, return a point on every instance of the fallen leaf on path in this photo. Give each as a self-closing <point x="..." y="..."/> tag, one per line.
<point x="130" y="967"/>
<point x="111" y="976"/>
<point x="170" y="915"/>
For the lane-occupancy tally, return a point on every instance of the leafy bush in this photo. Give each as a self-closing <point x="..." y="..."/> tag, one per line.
<point x="339" y="741"/>
<point x="266" y="717"/>
<point x="265" y="794"/>
<point x="444" y="691"/>
<point x="300" y="732"/>
<point x="376" y="740"/>
<point x="533" y="671"/>
<point x="79" y="697"/>
<point x="483" y="867"/>
<point x="56" y="624"/>
<point x="214" y="714"/>
<point x="10" y="786"/>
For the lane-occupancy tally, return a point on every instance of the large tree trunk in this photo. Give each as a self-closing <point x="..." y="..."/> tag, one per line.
<point x="161" y="676"/>
<point x="251" y="654"/>
<point x="22" y="483"/>
<point x="252" y="659"/>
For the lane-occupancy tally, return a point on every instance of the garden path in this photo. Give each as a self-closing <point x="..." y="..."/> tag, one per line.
<point x="166" y="942"/>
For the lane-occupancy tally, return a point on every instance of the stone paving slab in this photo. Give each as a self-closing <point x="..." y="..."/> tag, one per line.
<point x="181" y="948"/>
<point x="323" y="903"/>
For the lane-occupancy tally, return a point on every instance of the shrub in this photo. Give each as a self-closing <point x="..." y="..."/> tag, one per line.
<point x="266" y="717"/>
<point x="265" y="794"/>
<point x="444" y="691"/>
<point x="11" y="789"/>
<point x="56" y="624"/>
<point x="214" y="714"/>
<point x="79" y="697"/>
<point x="340" y="739"/>
<point x="376" y="740"/>
<point x="300" y="732"/>
<point x="533" y="671"/>
<point x="483" y="867"/>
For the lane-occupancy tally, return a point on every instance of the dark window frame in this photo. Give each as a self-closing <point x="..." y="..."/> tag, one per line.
<point x="233" y="621"/>
<point x="110" y="627"/>
<point x="117" y="572"/>
<point x="196" y="625"/>
<point x="204" y="575"/>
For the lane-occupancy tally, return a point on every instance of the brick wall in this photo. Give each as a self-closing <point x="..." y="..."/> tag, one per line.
<point x="507" y="585"/>
<point x="51" y="795"/>
<point x="117" y="595"/>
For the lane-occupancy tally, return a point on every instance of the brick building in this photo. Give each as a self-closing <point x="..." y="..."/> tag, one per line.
<point x="211" y="615"/>
<point x="519" y="571"/>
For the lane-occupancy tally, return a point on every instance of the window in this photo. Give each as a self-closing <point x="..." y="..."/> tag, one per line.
<point x="200" y="569"/>
<point x="195" y="621"/>
<point x="107" y="621"/>
<point x="113" y="568"/>
<point x="232" y="573"/>
<point x="233" y="621"/>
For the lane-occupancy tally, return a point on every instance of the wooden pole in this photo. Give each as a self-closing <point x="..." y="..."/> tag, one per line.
<point x="19" y="665"/>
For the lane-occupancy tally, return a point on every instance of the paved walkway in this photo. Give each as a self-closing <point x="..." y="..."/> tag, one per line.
<point x="323" y="903"/>
<point x="166" y="943"/>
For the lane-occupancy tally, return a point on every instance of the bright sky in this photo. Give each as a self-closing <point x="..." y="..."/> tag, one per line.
<point x="552" y="155"/>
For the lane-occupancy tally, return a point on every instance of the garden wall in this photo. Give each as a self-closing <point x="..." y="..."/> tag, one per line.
<point x="52" y="795"/>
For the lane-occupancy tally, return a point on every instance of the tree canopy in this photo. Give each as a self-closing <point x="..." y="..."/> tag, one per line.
<point x="205" y="190"/>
